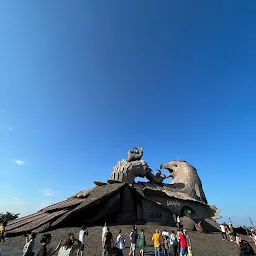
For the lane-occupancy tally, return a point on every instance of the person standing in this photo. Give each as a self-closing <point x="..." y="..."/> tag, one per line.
<point x="82" y="235"/>
<point x="173" y="244"/>
<point x="238" y="239"/>
<point x="183" y="243"/>
<point x="165" y="233"/>
<point x="178" y="221"/>
<point x="156" y="239"/>
<point x="142" y="243"/>
<point x="166" y="244"/>
<point x="188" y="242"/>
<point x="29" y="246"/>
<point x="107" y="243"/>
<point x="231" y="229"/>
<point x="45" y="240"/>
<point x="178" y="238"/>
<point x="223" y="232"/>
<point x="228" y="232"/>
<point x="2" y="231"/>
<point x="68" y="246"/>
<point x="201" y="227"/>
<point x="133" y="238"/>
<point x="120" y="240"/>
<point x="104" y="231"/>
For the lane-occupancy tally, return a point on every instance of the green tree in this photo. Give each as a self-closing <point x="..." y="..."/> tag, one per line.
<point x="5" y="217"/>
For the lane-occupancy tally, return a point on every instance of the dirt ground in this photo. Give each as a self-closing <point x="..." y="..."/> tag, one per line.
<point x="202" y="244"/>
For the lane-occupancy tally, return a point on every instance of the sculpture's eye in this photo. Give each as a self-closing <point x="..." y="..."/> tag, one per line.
<point x="175" y="165"/>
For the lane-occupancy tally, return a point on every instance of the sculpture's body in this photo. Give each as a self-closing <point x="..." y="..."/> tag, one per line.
<point x="185" y="176"/>
<point x="128" y="170"/>
<point x="122" y="200"/>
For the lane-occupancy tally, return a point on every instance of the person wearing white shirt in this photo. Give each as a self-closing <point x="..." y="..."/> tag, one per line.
<point x="178" y="221"/>
<point x="82" y="234"/>
<point x="120" y="240"/>
<point x="104" y="231"/>
<point x="223" y="232"/>
<point x="165" y="233"/>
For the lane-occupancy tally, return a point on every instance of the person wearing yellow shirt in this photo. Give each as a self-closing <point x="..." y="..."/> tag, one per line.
<point x="156" y="239"/>
<point x="2" y="231"/>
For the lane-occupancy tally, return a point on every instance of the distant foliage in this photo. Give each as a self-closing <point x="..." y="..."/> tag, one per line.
<point x="5" y="217"/>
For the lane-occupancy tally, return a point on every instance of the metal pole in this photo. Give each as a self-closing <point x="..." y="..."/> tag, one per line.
<point x="251" y="222"/>
<point x="230" y="220"/>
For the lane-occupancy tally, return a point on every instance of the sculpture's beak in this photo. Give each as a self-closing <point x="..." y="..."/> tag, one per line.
<point x="167" y="167"/>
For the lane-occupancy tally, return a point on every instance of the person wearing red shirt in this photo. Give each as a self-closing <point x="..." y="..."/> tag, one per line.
<point x="184" y="243"/>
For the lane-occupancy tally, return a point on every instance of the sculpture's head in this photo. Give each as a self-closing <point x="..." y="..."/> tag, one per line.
<point x="185" y="177"/>
<point x="177" y="168"/>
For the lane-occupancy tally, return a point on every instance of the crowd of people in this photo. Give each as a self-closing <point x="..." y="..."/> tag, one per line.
<point x="68" y="247"/>
<point x="165" y="243"/>
<point x="170" y="244"/>
<point x="245" y="249"/>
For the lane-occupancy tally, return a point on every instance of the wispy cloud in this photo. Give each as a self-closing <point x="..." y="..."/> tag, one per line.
<point x="19" y="162"/>
<point x="47" y="192"/>
<point x="9" y="128"/>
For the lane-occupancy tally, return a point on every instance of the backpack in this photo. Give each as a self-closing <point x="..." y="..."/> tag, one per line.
<point x="65" y="252"/>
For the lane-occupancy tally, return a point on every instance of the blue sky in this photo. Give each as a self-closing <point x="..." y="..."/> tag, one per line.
<point x="82" y="82"/>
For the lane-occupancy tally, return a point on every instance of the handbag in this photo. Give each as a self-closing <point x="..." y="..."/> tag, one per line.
<point x="189" y="251"/>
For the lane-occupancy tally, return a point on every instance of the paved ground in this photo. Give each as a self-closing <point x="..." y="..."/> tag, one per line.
<point x="10" y="251"/>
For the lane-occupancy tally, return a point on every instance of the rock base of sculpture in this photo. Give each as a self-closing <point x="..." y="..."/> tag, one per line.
<point x="118" y="203"/>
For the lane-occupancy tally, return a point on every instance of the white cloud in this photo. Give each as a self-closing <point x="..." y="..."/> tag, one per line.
<point x="47" y="192"/>
<point x="19" y="162"/>
<point x="10" y="128"/>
